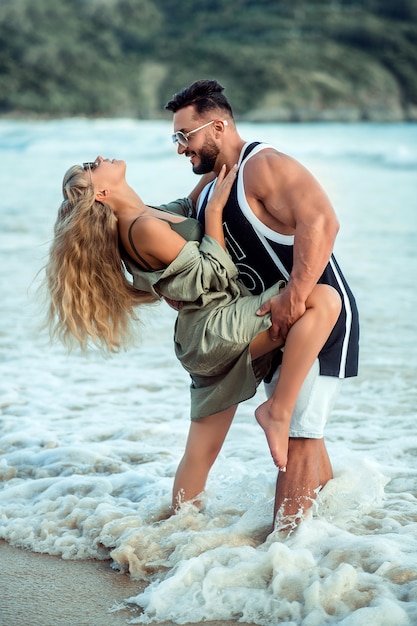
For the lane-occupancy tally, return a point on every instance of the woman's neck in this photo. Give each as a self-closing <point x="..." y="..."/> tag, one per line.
<point x="127" y="204"/>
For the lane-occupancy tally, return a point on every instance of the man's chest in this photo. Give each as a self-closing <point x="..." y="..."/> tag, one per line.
<point x="261" y="261"/>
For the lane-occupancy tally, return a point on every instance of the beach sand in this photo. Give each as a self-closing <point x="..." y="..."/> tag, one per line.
<point x="44" y="590"/>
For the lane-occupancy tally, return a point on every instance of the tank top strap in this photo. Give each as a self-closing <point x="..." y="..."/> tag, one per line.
<point x="249" y="149"/>
<point x="144" y="263"/>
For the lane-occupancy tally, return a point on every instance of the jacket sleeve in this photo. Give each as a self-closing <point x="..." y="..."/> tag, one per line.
<point x="182" y="206"/>
<point x="198" y="270"/>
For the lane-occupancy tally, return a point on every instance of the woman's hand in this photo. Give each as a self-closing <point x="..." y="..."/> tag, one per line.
<point x="222" y="189"/>
<point x="215" y="206"/>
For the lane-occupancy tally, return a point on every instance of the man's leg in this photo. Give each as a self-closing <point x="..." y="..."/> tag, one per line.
<point x="308" y="470"/>
<point x="308" y="467"/>
<point x="205" y="440"/>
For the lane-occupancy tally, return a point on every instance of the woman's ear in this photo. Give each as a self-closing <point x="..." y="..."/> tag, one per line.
<point x="102" y="195"/>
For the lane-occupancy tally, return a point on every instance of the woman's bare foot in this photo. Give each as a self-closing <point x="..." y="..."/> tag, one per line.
<point x="276" y="430"/>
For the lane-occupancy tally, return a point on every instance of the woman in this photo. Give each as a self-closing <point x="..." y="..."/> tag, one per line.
<point x="102" y="228"/>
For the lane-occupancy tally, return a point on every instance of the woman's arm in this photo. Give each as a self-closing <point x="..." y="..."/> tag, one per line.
<point x="215" y="206"/>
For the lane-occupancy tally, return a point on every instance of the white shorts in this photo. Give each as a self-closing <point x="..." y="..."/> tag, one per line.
<point x="314" y="403"/>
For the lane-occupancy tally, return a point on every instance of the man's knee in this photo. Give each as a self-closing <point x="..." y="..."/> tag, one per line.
<point x="304" y="444"/>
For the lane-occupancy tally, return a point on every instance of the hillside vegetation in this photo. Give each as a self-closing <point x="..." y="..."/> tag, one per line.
<point x="278" y="59"/>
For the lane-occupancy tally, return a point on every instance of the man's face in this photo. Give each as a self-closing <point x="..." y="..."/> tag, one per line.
<point x="201" y="148"/>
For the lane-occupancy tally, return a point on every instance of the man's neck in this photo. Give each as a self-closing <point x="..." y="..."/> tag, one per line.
<point x="230" y="154"/>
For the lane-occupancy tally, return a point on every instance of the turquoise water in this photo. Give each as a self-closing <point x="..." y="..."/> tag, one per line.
<point x="89" y="446"/>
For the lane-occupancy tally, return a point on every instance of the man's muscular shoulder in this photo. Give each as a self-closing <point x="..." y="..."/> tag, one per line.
<point x="280" y="190"/>
<point x="272" y="168"/>
<point x="269" y="177"/>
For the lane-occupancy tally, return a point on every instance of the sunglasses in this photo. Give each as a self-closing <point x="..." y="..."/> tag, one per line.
<point x="182" y="138"/>
<point x="90" y="166"/>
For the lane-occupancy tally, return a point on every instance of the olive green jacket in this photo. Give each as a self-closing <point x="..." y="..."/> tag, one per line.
<point x="215" y="325"/>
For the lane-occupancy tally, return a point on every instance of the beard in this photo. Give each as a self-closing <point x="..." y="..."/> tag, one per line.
<point x="207" y="156"/>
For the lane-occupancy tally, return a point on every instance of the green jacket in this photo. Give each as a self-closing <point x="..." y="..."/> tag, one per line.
<point x="214" y="326"/>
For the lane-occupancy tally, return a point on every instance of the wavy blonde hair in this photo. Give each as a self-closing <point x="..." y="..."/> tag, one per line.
<point x="90" y="296"/>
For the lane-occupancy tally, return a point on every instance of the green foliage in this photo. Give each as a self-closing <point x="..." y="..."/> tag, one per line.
<point x="127" y="57"/>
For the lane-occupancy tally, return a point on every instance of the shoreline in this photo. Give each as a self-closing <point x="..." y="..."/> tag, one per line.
<point x="45" y="590"/>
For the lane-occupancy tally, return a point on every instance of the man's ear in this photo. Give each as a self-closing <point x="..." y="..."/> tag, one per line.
<point x="220" y="124"/>
<point x="102" y="195"/>
<point x="219" y="128"/>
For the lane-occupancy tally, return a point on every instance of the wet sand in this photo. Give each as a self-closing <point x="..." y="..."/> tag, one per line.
<point x="44" y="590"/>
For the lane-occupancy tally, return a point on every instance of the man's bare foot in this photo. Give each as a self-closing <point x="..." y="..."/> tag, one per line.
<point x="276" y="430"/>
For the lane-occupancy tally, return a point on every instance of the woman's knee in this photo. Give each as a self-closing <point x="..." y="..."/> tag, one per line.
<point x="202" y="454"/>
<point x="327" y="300"/>
<point x="206" y="438"/>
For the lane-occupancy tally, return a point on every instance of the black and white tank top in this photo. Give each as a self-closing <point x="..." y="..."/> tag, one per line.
<point x="264" y="256"/>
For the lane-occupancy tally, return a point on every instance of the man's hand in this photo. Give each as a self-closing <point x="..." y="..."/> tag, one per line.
<point x="285" y="311"/>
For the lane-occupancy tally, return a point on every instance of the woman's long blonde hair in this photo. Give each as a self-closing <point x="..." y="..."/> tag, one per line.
<point x="90" y="296"/>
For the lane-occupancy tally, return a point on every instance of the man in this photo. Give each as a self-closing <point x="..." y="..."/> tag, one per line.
<point x="278" y="224"/>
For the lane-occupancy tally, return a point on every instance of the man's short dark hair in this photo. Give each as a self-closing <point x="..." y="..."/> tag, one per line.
<point x="204" y="95"/>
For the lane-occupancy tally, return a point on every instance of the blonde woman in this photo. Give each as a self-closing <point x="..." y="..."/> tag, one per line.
<point x="104" y="228"/>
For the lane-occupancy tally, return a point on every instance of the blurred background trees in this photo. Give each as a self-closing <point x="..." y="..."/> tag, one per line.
<point x="278" y="59"/>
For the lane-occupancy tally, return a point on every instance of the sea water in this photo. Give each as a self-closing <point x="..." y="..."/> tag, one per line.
<point x="89" y="445"/>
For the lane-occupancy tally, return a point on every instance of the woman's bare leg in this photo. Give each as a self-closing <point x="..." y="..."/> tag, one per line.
<point x="205" y="440"/>
<point x="304" y="341"/>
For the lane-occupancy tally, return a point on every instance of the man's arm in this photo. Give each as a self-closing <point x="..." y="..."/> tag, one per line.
<point x="288" y="199"/>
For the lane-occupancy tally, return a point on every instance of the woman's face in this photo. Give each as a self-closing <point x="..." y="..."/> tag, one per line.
<point x="107" y="173"/>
